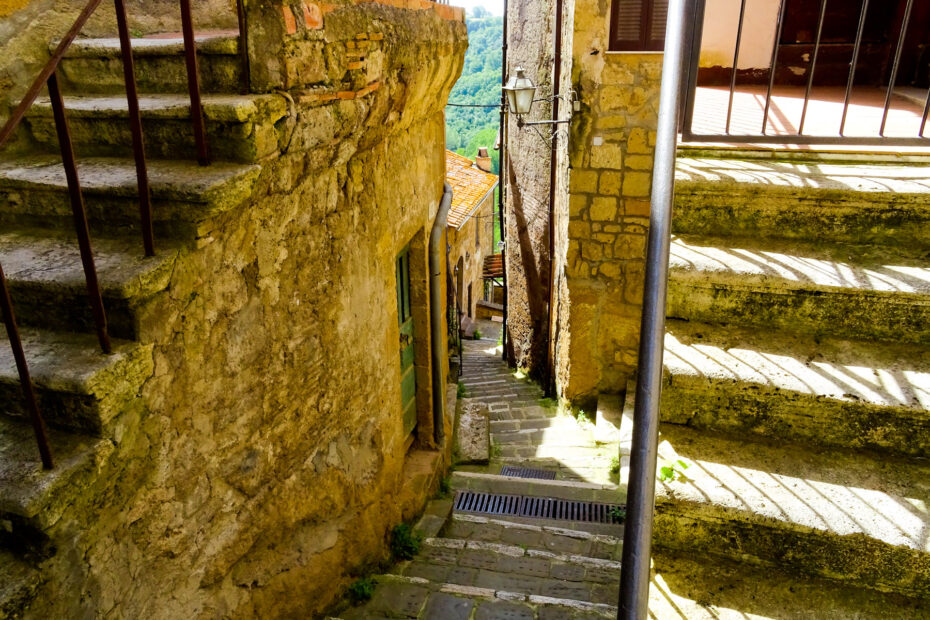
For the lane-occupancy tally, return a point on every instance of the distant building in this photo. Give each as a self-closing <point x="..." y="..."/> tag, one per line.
<point x="470" y="234"/>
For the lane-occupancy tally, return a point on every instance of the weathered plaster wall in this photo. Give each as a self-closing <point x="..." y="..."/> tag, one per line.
<point x="263" y="463"/>
<point x="462" y="245"/>
<point x="612" y="142"/>
<point x="28" y="27"/>
<point x="527" y="176"/>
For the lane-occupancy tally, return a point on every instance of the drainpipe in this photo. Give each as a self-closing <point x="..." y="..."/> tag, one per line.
<point x="435" y="310"/>
<point x="502" y="184"/>
<point x="553" y="170"/>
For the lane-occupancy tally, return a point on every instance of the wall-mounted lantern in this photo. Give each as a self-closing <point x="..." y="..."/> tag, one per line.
<point x="521" y="94"/>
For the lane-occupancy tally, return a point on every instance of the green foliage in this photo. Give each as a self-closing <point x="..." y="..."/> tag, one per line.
<point x="582" y="416"/>
<point x="495" y="450"/>
<point x="615" y="465"/>
<point x="477" y="334"/>
<point x="548" y="403"/>
<point x="460" y="390"/>
<point x="670" y="472"/>
<point x="405" y="542"/>
<point x="618" y="514"/>
<point x="480" y="84"/>
<point x="445" y="488"/>
<point x="362" y="590"/>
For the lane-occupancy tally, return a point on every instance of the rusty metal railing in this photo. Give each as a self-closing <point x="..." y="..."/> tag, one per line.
<point x="48" y="78"/>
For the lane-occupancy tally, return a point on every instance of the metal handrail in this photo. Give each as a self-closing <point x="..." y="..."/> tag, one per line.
<point x="637" y="536"/>
<point x="48" y="78"/>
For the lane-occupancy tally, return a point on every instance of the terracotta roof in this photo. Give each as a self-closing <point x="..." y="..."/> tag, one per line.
<point x="470" y="186"/>
<point x="493" y="266"/>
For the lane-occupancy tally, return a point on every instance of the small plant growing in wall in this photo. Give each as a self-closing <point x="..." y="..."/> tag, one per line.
<point x="477" y="335"/>
<point x="615" y="465"/>
<point x="362" y="590"/>
<point x="460" y="390"/>
<point x="670" y="472"/>
<point x="405" y="542"/>
<point x="617" y="514"/>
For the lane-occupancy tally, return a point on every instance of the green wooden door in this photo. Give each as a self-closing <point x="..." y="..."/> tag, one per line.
<point x="408" y="379"/>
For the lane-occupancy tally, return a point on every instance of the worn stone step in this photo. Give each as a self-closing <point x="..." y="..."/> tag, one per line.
<point x="838" y="514"/>
<point x="94" y="65"/>
<point x="78" y="387"/>
<point x="34" y="498"/>
<point x="397" y="596"/>
<point x="571" y="450"/>
<point x="864" y="293"/>
<point x="48" y="287"/>
<point x="510" y="426"/>
<point x="19" y="581"/>
<point x="561" y="489"/>
<point x="515" y="568"/>
<point x="821" y="391"/>
<point x="34" y="191"/>
<point x="844" y="202"/>
<point x="536" y="534"/>
<point x="239" y="128"/>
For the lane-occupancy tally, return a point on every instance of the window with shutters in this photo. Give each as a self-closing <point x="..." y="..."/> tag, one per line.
<point x="638" y="25"/>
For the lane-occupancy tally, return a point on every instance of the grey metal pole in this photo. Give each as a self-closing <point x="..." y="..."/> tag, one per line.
<point x="637" y="537"/>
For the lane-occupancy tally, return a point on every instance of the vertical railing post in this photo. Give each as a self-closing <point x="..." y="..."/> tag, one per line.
<point x="896" y="64"/>
<point x="244" y="81"/>
<point x="637" y="536"/>
<point x="193" y="83"/>
<point x="135" y="127"/>
<point x="77" y="209"/>
<point x="32" y="406"/>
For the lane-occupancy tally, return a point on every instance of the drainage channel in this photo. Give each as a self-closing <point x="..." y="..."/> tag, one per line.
<point x="526" y="472"/>
<point x="538" y="507"/>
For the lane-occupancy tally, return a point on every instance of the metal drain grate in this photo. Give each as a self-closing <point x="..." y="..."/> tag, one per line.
<point x="538" y="507"/>
<point x="526" y="472"/>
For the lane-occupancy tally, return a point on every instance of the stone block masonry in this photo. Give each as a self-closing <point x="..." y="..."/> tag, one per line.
<point x="611" y="153"/>
<point x="263" y="461"/>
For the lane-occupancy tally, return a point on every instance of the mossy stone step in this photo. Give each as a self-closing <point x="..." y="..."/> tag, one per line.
<point x="78" y="387"/>
<point x="830" y="513"/>
<point x="824" y="391"/>
<point x="843" y="202"/>
<point x="862" y="293"/>
<point x="94" y="65"/>
<point x="19" y="581"/>
<point x="34" y="192"/>
<point x="239" y="128"/>
<point x="48" y="286"/>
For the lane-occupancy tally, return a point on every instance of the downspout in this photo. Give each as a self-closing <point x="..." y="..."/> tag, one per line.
<point x="435" y="310"/>
<point x="553" y="171"/>
<point x="502" y="171"/>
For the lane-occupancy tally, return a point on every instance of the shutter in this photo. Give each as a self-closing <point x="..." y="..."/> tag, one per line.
<point x="638" y="25"/>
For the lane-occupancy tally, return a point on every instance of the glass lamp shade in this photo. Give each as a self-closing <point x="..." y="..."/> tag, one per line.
<point x="520" y="93"/>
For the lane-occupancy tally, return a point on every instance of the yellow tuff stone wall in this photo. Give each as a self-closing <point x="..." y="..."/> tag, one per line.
<point x="611" y="154"/>
<point x="463" y="246"/>
<point x="263" y="464"/>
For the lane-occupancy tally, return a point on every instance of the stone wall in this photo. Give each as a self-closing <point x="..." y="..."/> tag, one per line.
<point x="462" y="246"/>
<point x="612" y="143"/>
<point x="263" y="463"/>
<point x="526" y="172"/>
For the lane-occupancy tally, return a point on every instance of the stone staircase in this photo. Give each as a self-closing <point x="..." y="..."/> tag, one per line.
<point x="797" y="392"/>
<point x="91" y="401"/>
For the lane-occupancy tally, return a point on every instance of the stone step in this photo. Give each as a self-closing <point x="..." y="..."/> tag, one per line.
<point x="34" y="498"/>
<point x="239" y="128"/>
<point x="412" y="597"/>
<point x="94" y="65"/>
<point x="598" y="469"/>
<point x="510" y="426"/>
<point x="843" y="202"/>
<point x="47" y="282"/>
<point x="536" y="534"/>
<point x="19" y="581"/>
<point x="34" y="192"/>
<point x="560" y="489"/>
<point x="864" y="293"/>
<point x="824" y="391"/>
<point x="519" y="410"/>
<point x="78" y="387"/>
<point x="841" y="515"/>
<point x="517" y="569"/>
<point x="572" y="450"/>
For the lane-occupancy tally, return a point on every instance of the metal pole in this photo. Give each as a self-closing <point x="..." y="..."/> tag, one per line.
<point x="637" y="537"/>
<point x="553" y="173"/>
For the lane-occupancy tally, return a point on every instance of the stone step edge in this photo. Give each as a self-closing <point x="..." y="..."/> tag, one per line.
<point x="552" y="529"/>
<point x="519" y="552"/>
<point x="207" y="44"/>
<point x="607" y="611"/>
<point x="559" y="489"/>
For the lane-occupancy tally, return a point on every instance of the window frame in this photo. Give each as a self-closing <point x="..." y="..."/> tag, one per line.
<point x="644" y="44"/>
